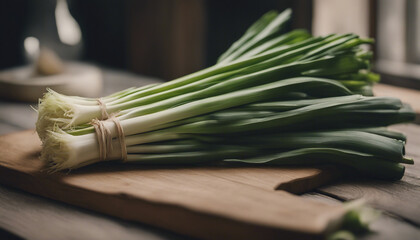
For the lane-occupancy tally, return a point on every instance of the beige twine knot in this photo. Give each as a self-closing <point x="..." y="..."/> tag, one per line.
<point x="104" y="137"/>
<point x="104" y="112"/>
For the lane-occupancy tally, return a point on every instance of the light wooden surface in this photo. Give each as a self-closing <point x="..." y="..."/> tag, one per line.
<point x="407" y="95"/>
<point x="209" y="202"/>
<point x="34" y="217"/>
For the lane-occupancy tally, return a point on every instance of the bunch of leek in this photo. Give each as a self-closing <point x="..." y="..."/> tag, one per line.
<point x="272" y="98"/>
<point x="268" y="56"/>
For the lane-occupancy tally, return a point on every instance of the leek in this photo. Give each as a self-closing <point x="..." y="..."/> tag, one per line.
<point x="272" y="98"/>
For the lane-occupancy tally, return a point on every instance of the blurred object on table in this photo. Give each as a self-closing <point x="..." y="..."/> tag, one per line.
<point x="48" y="63"/>
<point x="51" y="29"/>
<point x="51" y="24"/>
<point x="29" y="83"/>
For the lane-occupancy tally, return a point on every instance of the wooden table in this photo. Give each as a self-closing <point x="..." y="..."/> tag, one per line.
<point x="27" y="216"/>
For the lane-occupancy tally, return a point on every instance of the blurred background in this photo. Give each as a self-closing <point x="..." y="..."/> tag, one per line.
<point x="170" y="38"/>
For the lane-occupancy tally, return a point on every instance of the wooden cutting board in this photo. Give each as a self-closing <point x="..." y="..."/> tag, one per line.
<point x="208" y="202"/>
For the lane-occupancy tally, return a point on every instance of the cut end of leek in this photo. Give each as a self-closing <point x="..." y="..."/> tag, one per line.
<point x="55" y="150"/>
<point x="407" y="160"/>
<point x="52" y="106"/>
<point x="61" y="151"/>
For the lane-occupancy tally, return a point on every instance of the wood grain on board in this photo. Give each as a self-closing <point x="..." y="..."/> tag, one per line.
<point x="209" y="202"/>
